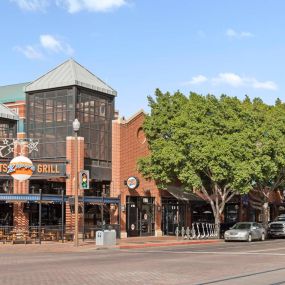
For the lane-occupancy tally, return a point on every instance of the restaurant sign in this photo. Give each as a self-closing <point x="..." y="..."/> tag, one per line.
<point x="38" y="168"/>
<point x="21" y="168"/>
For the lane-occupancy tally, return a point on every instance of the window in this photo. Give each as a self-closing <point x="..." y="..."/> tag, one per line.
<point x="49" y="119"/>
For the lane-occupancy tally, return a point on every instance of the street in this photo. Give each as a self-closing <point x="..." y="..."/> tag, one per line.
<point x="219" y="263"/>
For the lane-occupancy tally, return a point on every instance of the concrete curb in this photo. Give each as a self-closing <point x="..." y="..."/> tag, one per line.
<point x="126" y="246"/>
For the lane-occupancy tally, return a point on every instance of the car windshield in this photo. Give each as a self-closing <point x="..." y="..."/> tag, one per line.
<point x="282" y="218"/>
<point x="242" y="226"/>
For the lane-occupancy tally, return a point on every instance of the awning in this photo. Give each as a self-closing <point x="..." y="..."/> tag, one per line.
<point x="180" y="194"/>
<point x="55" y="198"/>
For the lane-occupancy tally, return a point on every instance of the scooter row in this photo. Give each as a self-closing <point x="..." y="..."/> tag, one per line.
<point x="197" y="231"/>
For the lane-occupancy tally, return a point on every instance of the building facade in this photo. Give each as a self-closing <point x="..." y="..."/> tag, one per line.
<point x="46" y="110"/>
<point x="36" y="121"/>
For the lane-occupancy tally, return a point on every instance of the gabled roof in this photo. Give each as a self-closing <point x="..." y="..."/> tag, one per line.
<point x="7" y="113"/>
<point x="12" y="93"/>
<point x="70" y="73"/>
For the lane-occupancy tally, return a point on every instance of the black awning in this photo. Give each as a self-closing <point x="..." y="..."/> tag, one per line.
<point x="180" y="194"/>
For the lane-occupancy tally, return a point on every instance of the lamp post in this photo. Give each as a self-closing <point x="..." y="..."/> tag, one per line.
<point x="76" y="126"/>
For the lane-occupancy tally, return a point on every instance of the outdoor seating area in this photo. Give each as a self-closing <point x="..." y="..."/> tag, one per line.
<point x="34" y="234"/>
<point x="31" y="235"/>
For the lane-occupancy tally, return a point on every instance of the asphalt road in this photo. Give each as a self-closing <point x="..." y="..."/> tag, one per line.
<point x="220" y="263"/>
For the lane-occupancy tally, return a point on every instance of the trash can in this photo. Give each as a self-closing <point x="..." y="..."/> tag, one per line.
<point x="106" y="237"/>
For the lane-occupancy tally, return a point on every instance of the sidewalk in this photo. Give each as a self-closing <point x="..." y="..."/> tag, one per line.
<point x="90" y="245"/>
<point x="142" y="242"/>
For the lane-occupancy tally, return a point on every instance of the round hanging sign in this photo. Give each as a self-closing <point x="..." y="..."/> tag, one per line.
<point x="133" y="182"/>
<point x="21" y="168"/>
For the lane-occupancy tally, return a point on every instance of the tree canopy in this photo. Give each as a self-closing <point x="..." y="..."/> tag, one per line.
<point x="218" y="146"/>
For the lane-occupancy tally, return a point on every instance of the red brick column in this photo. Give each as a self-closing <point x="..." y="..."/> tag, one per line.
<point x="158" y="213"/>
<point x="20" y="219"/>
<point x="123" y="215"/>
<point x="71" y="172"/>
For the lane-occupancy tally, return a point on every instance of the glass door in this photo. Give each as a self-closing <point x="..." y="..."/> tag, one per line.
<point x="133" y="227"/>
<point x="147" y="217"/>
<point x="140" y="216"/>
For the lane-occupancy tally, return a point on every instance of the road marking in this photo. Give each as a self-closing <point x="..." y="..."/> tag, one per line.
<point x="268" y="249"/>
<point x="243" y="276"/>
<point x="211" y="252"/>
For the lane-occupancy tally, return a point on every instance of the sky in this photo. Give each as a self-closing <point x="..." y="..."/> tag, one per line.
<point x="232" y="47"/>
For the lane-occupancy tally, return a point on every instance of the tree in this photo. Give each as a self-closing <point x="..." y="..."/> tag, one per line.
<point x="201" y="143"/>
<point x="268" y="164"/>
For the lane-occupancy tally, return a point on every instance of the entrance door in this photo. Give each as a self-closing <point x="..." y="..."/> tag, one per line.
<point x="132" y="219"/>
<point x="170" y="219"/>
<point x="147" y="217"/>
<point x="140" y="216"/>
<point x="173" y="216"/>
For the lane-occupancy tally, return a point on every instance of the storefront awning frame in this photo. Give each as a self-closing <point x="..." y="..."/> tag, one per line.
<point x="55" y="198"/>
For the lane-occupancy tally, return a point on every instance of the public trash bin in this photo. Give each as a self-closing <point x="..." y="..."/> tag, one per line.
<point x="106" y="237"/>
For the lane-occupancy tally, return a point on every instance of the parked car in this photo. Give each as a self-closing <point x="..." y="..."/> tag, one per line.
<point x="245" y="231"/>
<point x="224" y="227"/>
<point x="277" y="228"/>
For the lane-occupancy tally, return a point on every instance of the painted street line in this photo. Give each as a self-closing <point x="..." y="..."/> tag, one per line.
<point x="211" y="252"/>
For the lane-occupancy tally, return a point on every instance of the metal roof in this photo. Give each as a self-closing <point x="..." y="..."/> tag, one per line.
<point x="7" y="113"/>
<point x="70" y="73"/>
<point x="12" y="93"/>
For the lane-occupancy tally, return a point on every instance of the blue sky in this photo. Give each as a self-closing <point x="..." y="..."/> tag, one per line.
<point x="206" y="46"/>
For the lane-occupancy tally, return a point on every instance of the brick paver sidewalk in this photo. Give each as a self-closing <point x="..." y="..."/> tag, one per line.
<point x="89" y="245"/>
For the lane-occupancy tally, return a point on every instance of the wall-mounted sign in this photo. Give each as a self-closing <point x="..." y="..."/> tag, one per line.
<point x="40" y="169"/>
<point x="133" y="182"/>
<point x="21" y="168"/>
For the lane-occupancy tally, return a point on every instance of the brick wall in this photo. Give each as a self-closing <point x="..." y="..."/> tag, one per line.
<point x="71" y="172"/>
<point x="20" y="219"/>
<point x="129" y="145"/>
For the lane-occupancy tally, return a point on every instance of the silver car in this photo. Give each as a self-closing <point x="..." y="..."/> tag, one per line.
<point x="247" y="231"/>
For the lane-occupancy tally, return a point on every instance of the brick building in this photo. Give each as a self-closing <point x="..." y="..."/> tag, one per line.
<point x="38" y="124"/>
<point x="145" y="209"/>
<point x="46" y="109"/>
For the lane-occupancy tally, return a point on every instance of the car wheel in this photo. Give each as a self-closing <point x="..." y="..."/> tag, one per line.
<point x="263" y="237"/>
<point x="249" y="238"/>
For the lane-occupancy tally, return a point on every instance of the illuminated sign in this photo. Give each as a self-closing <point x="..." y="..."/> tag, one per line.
<point x="132" y="182"/>
<point x="21" y="168"/>
<point x="38" y="169"/>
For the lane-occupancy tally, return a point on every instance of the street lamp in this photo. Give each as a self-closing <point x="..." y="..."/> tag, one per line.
<point x="76" y="126"/>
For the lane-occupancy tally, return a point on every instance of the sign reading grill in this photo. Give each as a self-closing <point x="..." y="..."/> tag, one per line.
<point x="41" y="169"/>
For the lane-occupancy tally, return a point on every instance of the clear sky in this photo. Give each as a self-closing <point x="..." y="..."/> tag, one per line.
<point x="235" y="47"/>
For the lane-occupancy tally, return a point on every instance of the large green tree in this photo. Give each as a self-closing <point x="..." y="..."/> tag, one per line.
<point x="268" y="164"/>
<point x="201" y="143"/>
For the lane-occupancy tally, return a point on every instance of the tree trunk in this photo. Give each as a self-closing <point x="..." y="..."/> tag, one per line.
<point x="218" y="224"/>
<point x="265" y="215"/>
